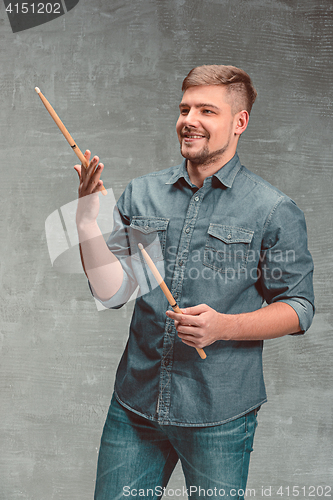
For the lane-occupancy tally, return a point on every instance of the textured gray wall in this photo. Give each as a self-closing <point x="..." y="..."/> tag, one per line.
<point x="113" y="70"/>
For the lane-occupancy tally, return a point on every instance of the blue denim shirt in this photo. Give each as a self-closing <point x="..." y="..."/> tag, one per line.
<point x="232" y="244"/>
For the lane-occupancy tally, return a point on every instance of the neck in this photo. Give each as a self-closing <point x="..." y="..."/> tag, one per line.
<point x="198" y="172"/>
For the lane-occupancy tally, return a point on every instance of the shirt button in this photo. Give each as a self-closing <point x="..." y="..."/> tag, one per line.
<point x="169" y="330"/>
<point x="187" y="230"/>
<point x="196" y="198"/>
<point x="175" y="295"/>
<point x="229" y="236"/>
<point x="166" y="362"/>
<point x="180" y="263"/>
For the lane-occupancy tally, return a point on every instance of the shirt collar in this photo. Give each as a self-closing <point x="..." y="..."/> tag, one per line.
<point x="225" y="175"/>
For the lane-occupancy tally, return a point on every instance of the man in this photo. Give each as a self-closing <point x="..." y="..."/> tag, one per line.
<point x="230" y="241"/>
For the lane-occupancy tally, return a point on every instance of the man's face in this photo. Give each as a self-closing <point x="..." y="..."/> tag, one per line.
<point x="206" y="125"/>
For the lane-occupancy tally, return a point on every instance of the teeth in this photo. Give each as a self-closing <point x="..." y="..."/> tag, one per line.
<point x="194" y="136"/>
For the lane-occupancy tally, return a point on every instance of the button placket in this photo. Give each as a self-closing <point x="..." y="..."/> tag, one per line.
<point x="163" y="406"/>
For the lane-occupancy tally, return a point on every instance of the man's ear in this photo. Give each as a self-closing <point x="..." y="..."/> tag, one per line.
<point x="241" y="121"/>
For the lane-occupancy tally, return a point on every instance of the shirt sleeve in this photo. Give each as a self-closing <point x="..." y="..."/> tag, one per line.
<point x="286" y="265"/>
<point x="119" y="298"/>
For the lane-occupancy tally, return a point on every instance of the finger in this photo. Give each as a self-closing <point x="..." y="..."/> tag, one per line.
<point x="194" y="340"/>
<point x="195" y="310"/>
<point x="93" y="173"/>
<point x="98" y="187"/>
<point x="177" y="317"/>
<point x="95" y="184"/>
<point x="183" y="319"/>
<point x="92" y="166"/>
<point x="83" y="169"/>
<point x="78" y="168"/>
<point x="87" y="155"/>
<point x="95" y="180"/>
<point x="173" y="315"/>
<point x="185" y="331"/>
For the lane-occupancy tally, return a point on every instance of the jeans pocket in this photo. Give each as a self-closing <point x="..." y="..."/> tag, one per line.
<point x="227" y="248"/>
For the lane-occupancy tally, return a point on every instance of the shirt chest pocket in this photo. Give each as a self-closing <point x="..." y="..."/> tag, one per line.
<point x="227" y="248"/>
<point x="151" y="232"/>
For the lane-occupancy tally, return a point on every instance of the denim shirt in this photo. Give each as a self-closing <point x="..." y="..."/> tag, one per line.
<point x="232" y="244"/>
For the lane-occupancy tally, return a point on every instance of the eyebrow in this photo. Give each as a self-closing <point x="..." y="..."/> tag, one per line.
<point x="199" y="105"/>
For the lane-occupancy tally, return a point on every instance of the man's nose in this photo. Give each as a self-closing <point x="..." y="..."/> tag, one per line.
<point x="191" y="118"/>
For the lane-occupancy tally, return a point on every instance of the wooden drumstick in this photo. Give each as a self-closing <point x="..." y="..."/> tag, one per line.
<point x="165" y="290"/>
<point x="65" y="132"/>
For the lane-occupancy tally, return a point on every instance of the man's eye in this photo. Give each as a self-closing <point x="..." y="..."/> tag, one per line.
<point x="207" y="111"/>
<point x="184" y="111"/>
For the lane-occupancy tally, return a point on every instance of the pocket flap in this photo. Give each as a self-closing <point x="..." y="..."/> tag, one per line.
<point x="149" y="224"/>
<point x="230" y="234"/>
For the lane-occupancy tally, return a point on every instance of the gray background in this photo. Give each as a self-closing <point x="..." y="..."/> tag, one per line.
<point x="113" y="71"/>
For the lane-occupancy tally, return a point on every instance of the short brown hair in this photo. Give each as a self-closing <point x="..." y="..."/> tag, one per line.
<point x="236" y="80"/>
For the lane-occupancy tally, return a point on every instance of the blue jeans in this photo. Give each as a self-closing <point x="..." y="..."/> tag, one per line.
<point x="137" y="457"/>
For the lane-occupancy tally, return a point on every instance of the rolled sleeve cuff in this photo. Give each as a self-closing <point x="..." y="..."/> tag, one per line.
<point x="304" y="310"/>
<point x="119" y="298"/>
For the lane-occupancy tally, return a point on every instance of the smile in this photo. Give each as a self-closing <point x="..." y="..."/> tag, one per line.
<point x="188" y="137"/>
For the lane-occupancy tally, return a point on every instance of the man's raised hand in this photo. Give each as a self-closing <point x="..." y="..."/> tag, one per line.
<point x="90" y="181"/>
<point x="89" y="187"/>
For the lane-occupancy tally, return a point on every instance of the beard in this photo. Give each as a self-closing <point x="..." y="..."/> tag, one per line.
<point x="204" y="157"/>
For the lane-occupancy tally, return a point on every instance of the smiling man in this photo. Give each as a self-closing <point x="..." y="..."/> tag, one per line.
<point x="208" y="129"/>
<point x="230" y="242"/>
